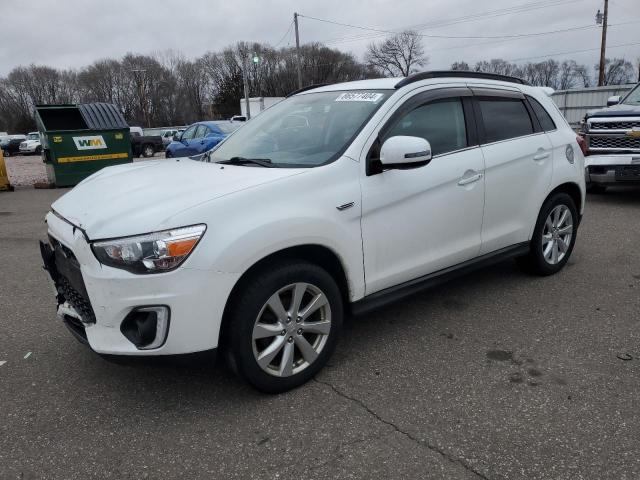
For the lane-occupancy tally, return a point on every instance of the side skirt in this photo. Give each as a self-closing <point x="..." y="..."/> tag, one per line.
<point x="398" y="292"/>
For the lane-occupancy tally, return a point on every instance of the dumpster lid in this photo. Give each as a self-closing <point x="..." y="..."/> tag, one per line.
<point x="102" y="116"/>
<point x="83" y="116"/>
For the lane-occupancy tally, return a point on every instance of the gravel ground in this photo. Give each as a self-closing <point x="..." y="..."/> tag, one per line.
<point x="26" y="170"/>
<point x="497" y="375"/>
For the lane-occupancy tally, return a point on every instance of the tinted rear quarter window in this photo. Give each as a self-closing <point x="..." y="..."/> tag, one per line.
<point x="546" y="122"/>
<point x="504" y="118"/>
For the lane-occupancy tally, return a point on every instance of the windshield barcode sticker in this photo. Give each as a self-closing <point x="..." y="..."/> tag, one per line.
<point x="359" y="97"/>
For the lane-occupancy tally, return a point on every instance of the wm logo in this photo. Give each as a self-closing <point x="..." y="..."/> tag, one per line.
<point x="93" y="142"/>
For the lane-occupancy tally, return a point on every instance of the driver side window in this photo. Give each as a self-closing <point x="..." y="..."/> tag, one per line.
<point x="189" y="132"/>
<point x="441" y="123"/>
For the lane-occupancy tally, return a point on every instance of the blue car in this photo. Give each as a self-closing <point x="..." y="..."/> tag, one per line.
<point x="200" y="137"/>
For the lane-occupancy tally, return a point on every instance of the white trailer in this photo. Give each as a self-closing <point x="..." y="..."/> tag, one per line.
<point x="258" y="104"/>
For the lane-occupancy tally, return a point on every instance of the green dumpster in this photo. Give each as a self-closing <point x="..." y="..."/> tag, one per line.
<point x="78" y="140"/>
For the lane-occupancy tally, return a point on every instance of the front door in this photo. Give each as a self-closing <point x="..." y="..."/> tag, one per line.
<point x="420" y="220"/>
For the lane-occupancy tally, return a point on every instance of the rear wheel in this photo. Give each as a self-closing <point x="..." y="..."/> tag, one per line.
<point x="283" y="326"/>
<point x="38" y="150"/>
<point x="553" y="238"/>
<point x="148" y="151"/>
<point x="167" y="154"/>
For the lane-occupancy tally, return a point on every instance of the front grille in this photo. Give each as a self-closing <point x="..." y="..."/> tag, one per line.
<point x="77" y="300"/>
<point x="70" y="282"/>
<point x="621" y="125"/>
<point x="612" y="142"/>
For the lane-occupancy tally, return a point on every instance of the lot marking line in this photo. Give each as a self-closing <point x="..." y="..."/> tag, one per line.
<point x="2" y="362"/>
<point x="27" y="355"/>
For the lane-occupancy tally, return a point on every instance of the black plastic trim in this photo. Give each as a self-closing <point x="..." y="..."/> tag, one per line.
<point x="398" y="292"/>
<point x="308" y="87"/>
<point x="457" y="74"/>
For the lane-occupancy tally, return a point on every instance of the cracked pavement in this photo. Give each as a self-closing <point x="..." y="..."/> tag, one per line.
<point x="496" y="375"/>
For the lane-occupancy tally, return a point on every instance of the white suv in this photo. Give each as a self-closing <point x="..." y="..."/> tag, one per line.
<point x="338" y="199"/>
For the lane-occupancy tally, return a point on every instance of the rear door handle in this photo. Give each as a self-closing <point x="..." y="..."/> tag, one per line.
<point x="470" y="179"/>
<point x="541" y="156"/>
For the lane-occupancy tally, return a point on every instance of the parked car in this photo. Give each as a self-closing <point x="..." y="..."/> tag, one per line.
<point x="168" y="136"/>
<point x="32" y="144"/>
<point x="200" y="137"/>
<point x="11" y="144"/>
<point x="144" y="145"/>
<point x="340" y="198"/>
<point x="612" y="143"/>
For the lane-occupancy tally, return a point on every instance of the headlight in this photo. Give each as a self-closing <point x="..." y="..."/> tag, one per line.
<point x="152" y="253"/>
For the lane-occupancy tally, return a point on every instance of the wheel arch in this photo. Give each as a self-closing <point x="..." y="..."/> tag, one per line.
<point x="570" y="188"/>
<point x="320" y="255"/>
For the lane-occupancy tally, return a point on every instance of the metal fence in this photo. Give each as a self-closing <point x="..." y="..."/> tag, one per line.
<point x="575" y="103"/>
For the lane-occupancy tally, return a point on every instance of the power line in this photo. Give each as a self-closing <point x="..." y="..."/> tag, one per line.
<point x="466" y="37"/>
<point x="471" y="45"/>
<point x="285" y="34"/>
<point x="571" y="51"/>
<point x="440" y="23"/>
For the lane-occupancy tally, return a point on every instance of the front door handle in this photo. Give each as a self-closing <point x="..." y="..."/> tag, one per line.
<point x="466" y="180"/>
<point x="541" y="156"/>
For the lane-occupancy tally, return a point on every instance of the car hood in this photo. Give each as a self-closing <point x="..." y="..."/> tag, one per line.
<point x="146" y="196"/>
<point x="620" y="110"/>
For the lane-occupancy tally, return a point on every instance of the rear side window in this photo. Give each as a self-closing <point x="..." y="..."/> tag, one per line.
<point x="441" y="123"/>
<point x="504" y="118"/>
<point x="546" y="122"/>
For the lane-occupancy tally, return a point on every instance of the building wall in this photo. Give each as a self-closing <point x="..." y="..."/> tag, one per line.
<point x="575" y="103"/>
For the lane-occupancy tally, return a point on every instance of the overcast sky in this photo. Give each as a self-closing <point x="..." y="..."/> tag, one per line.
<point x="74" y="33"/>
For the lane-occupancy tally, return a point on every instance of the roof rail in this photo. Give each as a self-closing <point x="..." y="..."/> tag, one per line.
<point x="457" y="73"/>
<point x="308" y="87"/>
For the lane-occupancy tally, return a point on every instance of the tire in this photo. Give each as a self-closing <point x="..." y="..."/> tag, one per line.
<point x="38" y="151"/>
<point x="594" y="188"/>
<point x="148" y="151"/>
<point x="167" y="154"/>
<point x="254" y="331"/>
<point x="547" y="235"/>
<point x="6" y="153"/>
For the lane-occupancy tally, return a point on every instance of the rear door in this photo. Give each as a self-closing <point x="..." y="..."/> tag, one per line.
<point x="197" y="144"/>
<point x="518" y="166"/>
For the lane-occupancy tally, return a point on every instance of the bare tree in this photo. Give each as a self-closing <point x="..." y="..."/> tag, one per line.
<point x="399" y="55"/>
<point x="617" y="71"/>
<point x="460" y="66"/>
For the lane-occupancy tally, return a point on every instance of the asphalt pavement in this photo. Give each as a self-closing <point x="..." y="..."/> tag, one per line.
<point x="497" y="375"/>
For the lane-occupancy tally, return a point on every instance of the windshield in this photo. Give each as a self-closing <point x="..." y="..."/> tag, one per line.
<point x="304" y="130"/>
<point x="633" y="98"/>
<point x="33" y="136"/>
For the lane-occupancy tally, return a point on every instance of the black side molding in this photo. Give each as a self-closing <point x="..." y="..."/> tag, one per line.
<point x="398" y="292"/>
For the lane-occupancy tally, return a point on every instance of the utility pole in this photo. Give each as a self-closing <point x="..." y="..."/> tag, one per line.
<point x="603" y="45"/>
<point x="245" y="80"/>
<point x="295" y="21"/>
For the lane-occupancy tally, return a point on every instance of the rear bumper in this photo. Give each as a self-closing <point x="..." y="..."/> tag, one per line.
<point x="196" y="299"/>
<point x="613" y="169"/>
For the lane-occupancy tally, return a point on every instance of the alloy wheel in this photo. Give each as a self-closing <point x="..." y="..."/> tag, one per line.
<point x="291" y="329"/>
<point x="557" y="234"/>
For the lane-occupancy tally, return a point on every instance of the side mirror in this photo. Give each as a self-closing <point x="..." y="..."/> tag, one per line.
<point x="614" y="100"/>
<point x="403" y="151"/>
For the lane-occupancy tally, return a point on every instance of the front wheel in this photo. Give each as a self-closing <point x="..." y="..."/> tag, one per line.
<point x="553" y="238"/>
<point x="283" y="325"/>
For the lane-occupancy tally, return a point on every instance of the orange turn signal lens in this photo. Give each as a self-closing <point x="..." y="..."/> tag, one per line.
<point x="179" y="248"/>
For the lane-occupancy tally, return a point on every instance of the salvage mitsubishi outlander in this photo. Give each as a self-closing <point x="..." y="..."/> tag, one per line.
<point x="337" y="200"/>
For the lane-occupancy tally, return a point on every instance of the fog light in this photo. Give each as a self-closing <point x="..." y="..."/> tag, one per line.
<point x="146" y="327"/>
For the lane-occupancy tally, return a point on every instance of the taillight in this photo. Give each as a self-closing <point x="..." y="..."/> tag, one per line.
<point x="583" y="144"/>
